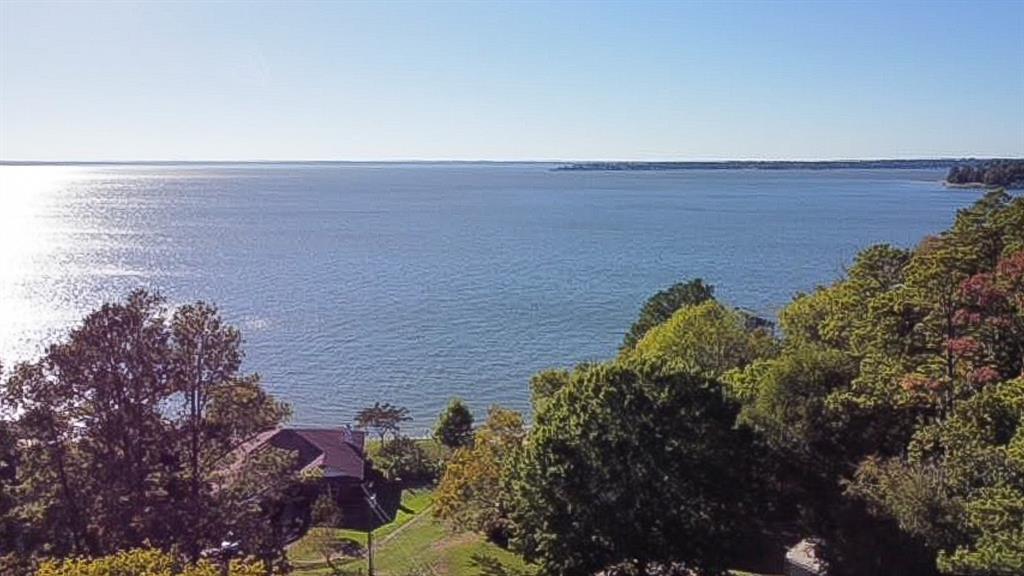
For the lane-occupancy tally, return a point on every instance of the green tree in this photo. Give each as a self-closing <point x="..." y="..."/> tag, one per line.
<point x="470" y="494"/>
<point x="455" y="425"/>
<point x="115" y="367"/>
<point x="13" y="535"/>
<point x="639" y="467"/>
<point x="664" y="304"/>
<point x="706" y="339"/>
<point x="403" y="459"/>
<point x="128" y="428"/>
<point x="385" y="419"/>
<point x="961" y="487"/>
<point x="545" y="384"/>
<point x="325" y="510"/>
<point x="785" y="399"/>
<point x="51" y="479"/>
<point x="888" y="402"/>
<point x="215" y="414"/>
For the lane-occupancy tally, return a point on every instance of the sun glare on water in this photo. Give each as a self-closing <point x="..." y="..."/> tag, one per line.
<point x="27" y="242"/>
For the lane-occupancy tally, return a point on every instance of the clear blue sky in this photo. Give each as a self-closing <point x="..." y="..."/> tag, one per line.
<point x="522" y="80"/>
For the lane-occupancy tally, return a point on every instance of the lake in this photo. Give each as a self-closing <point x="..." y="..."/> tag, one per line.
<point x="413" y="283"/>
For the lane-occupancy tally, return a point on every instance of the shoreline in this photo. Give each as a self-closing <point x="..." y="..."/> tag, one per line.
<point x="979" y="186"/>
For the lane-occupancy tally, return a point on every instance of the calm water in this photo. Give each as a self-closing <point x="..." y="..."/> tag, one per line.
<point x="414" y="283"/>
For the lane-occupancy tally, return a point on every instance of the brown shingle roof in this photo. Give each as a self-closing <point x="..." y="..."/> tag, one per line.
<point x="335" y="451"/>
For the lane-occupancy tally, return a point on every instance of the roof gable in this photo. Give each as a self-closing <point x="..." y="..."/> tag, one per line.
<point x="336" y="451"/>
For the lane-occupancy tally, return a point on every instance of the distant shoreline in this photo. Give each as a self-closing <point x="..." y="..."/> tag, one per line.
<point x="967" y="185"/>
<point x="978" y="186"/>
<point x="919" y="164"/>
<point x="560" y="165"/>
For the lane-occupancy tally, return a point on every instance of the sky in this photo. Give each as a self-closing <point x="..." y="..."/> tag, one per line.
<point x="510" y="81"/>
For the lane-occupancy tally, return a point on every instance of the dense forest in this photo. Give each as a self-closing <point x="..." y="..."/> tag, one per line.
<point x="990" y="173"/>
<point x="882" y="419"/>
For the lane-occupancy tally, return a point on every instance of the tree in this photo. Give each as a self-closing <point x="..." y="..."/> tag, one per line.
<point x="785" y="399"/>
<point x="127" y="428"/>
<point x="664" y="304"/>
<point x="403" y="459"/>
<point x="115" y="369"/>
<point x="323" y="536"/>
<point x="385" y="419"/>
<point x="206" y="357"/>
<point x="325" y="510"/>
<point x="1008" y="173"/>
<point x="633" y="466"/>
<point x="545" y="384"/>
<point x="814" y="449"/>
<point x="13" y="544"/>
<point x="961" y="488"/>
<point x="455" y="425"/>
<point x="470" y="494"/>
<point x="51" y="478"/>
<point x="706" y="339"/>
<point x="891" y="402"/>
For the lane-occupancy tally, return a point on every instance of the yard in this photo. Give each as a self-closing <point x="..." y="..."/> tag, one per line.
<point x="414" y="543"/>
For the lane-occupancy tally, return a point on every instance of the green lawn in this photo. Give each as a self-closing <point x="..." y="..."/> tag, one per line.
<point x="423" y="545"/>
<point x="429" y="547"/>
<point x="305" y="550"/>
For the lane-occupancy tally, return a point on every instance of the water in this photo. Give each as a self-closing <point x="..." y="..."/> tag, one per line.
<point x="413" y="283"/>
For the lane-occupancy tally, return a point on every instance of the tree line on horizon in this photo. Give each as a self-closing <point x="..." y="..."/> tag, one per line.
<point x="1003" y="173"/>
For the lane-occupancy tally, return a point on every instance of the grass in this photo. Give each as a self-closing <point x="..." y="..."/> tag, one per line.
<point x="423" y="545"/>
<point x="416" y="501"/>
<point x="429" y="546"/>
<point x="435" y="451"/>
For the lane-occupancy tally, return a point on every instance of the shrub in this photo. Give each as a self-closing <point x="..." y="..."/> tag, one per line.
<point x="403" y="459"/>
<point x="143" y="562"/>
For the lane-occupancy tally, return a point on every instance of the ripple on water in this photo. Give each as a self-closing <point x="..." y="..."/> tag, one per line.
<point x="411" y="283"/>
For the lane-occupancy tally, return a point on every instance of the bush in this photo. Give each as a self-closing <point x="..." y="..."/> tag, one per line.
<point x="403" y="459"/>
<point x="143" y="562"/>
<point x="326" y="511"/>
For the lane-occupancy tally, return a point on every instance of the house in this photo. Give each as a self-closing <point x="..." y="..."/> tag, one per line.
<point x="336" y="453"/>
<point x="338" y="457"/>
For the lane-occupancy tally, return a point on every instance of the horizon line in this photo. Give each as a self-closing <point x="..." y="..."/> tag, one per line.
<point x="31" y="162"/>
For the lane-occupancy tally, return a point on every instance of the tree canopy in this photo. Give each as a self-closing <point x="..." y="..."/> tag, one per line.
<point x="664" y="304"/>
<point x="632" y="466"/>
<point x="455" y="425"/>
<point x="122" y="430"/>
<point x="705" y="338"/>
<point x="1007" y="173"/>
<point x="885" y="420"/>
<point x="385" y="419"/>
<point x="470" y="492"/>
<point x="896" y="392"/>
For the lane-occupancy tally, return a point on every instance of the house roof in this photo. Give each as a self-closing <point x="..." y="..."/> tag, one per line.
<point x="337" y="452"/>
